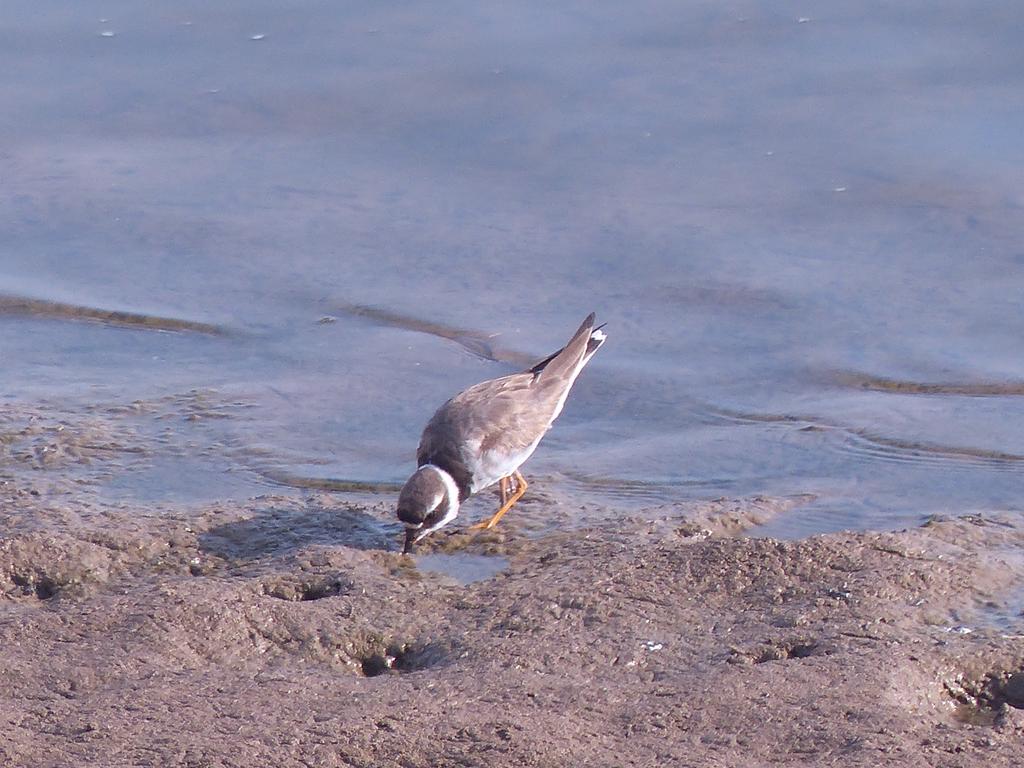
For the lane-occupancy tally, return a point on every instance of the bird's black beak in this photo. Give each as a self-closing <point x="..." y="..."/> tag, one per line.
<point x="410" y="539"/>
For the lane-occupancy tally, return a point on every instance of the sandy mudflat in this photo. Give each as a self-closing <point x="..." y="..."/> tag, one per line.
<point x="286" y="630"/>
<point x="283" y="632"/>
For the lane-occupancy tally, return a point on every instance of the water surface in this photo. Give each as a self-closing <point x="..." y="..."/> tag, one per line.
<point x="802" y="225"/>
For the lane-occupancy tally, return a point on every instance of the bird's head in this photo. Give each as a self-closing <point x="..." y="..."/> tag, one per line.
<point x="428" y="501"/>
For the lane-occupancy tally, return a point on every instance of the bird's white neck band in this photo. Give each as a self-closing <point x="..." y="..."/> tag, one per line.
<point x="452" y="494"/>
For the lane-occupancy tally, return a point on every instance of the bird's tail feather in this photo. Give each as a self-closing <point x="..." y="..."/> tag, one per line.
<point x="569" y="360"/>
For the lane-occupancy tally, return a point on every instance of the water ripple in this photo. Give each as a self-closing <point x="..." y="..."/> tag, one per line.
<point x="477" y="343"/>
<point x="327" y="483"/>
<point x="56" y="310"/>
<point x="863" y="442"/>
<point x="858" y="380"/>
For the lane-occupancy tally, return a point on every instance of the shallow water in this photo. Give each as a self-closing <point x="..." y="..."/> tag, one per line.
<point x="804" y="234"/>
<point x="461" y="567"/>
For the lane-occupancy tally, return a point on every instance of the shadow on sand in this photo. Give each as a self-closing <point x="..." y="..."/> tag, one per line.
<point x="280" y="531"/>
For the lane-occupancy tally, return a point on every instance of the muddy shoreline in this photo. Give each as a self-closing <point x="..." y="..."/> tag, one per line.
<point x="287" y="631"/>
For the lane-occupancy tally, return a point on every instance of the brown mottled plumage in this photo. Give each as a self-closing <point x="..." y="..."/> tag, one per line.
<point x="485" y="433"/>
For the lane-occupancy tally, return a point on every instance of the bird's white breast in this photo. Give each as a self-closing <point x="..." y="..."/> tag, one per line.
<point x="490" y="466"/>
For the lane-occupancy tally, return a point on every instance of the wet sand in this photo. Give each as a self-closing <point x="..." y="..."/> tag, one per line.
<point x="287" y="631"/>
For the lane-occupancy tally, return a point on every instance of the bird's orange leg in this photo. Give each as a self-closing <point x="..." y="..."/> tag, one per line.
<point x="521" y="486"/>
<point x="503" y="484"/>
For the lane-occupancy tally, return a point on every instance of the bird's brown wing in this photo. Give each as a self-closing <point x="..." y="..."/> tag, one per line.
<point x="506" y="414"/>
